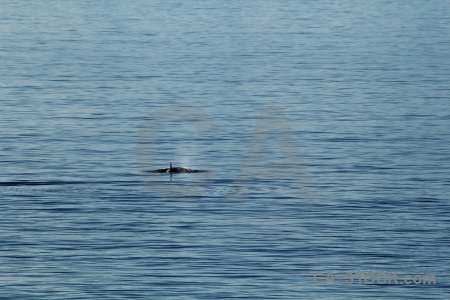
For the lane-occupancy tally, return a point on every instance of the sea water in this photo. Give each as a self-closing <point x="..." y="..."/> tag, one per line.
<point x="324" y="127"/>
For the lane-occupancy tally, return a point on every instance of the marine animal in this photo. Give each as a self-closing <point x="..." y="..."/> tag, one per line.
<point x="173" y="170"/>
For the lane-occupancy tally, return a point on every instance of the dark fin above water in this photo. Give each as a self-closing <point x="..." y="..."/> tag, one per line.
<point x="172" y="170"/>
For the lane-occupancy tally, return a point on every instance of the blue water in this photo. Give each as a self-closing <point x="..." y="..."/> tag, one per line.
<point x="324" y="125"/>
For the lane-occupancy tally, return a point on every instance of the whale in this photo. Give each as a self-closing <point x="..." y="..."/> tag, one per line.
<point x="172" y="170"/>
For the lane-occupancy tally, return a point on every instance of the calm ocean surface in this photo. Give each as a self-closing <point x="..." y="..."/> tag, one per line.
<point x="325" y="126"/>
